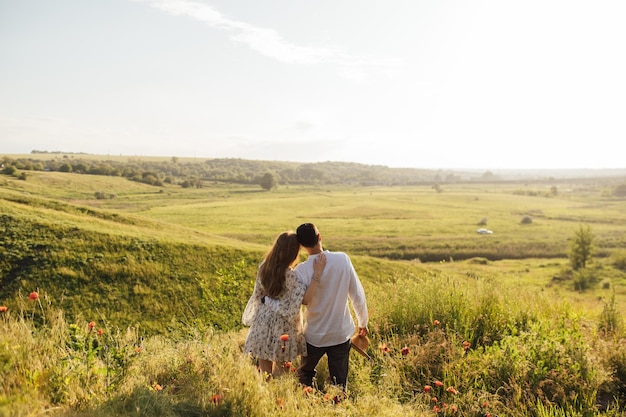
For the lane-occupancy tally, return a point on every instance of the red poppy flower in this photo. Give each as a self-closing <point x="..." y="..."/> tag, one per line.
<point x="307" y="390"/>
<point x="452" y="390"/>
<point x="436" y="322"/>
<point x="217" y="399"/>
<point x="435" y="409"/>
<point x="438" y="384"/>
<point x="280" y="402"/>
<point x="100" y="331"/>
<point x="434" y="399"/>
<point x="405" y="351"/>
<point x="427" y="388"/>
<point x="3" y="309"/>
<point x="33" y="296"/>
<point x="91" y="325"/>
<point x="284" y="337"/>
<point x="466" y="345"/>
<point x="384" y="347"/>
<point x="454" y="408"/>
<point x="158" y="387"/>
<point x="287" y="365"/>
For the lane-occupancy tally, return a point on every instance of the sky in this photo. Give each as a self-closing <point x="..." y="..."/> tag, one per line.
<point x="437" y="84"/>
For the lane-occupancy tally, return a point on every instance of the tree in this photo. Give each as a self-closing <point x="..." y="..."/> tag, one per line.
<point x="65" y="168"/>
<point x="582" y="248"/>
<point x="268" y="181"/>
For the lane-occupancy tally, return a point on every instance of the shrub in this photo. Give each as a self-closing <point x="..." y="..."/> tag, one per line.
<point x="585" y="279"/>
<point x="619" y="260"/>
<point x="9" y="170"/>
<point x="527" y="220"/>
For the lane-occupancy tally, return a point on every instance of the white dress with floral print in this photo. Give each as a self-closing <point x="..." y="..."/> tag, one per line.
<point x="267" y="326"/>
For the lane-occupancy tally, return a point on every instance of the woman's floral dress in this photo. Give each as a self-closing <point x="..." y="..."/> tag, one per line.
<point x="267" y="326"/>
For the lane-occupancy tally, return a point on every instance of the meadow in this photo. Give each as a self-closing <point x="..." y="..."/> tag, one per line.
<point x="139" y="298"/>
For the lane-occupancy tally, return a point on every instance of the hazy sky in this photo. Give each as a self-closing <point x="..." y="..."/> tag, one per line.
<point x="402" y="83"/>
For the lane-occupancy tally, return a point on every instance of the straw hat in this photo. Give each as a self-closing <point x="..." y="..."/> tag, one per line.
<point x="360" y="344"/>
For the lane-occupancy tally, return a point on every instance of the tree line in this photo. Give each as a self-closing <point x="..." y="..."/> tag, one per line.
<point x="267" y="174"/>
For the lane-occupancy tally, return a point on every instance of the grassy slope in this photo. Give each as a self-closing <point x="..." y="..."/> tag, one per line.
<point x="163" y="252"/>
<point x="181" y="261"/>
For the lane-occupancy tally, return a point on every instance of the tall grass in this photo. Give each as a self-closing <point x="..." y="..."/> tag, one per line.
<point x="164" y="274"/>
<point x="473" y="345"/>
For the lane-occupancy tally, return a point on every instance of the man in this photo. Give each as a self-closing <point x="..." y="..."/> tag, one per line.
<point x="328" y="323"/>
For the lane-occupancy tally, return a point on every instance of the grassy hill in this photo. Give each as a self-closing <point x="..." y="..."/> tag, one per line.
<point x="164" y="272"/>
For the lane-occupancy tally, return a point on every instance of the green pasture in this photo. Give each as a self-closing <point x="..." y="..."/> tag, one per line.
<point x="164" y="274"/>
<point x="394" y="222"/>
<point x="405" y="223"/>
<point x="409" y="224"/>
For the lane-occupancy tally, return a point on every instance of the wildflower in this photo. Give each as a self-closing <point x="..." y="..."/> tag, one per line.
<point x="454" y="408"/>
<point x="138" y="349"/>
<point x="307" y="390"/>
<point x="452" y="390"/>
<point x="438" y="384"/>
<point x="284" y="337"/>
<point x="435" y="409"/>
<point x="327" y="397"/>
<point x="384" y="347"/>
<point x="33" y="296"/>
<point x="466" y="345"/>
<point x="280" y="402"/>
<point x="405" y="351"/>
<point x="91" y="325"/>
<point x="427" y="388"/>
<point x="339" y="398"/>
<point x="485" y="404"/>
<point x="436" y="323"/>
<point x="100" y="332"/>
<point x="3" y="309"/>
<point x="217" y="399"/>
<point x="434" y="399"/>
<point x="158" y="387"/>
<point x="287" y="364"/>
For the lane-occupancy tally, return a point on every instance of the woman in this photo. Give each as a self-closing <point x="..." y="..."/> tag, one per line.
<point x="276" y="336"/>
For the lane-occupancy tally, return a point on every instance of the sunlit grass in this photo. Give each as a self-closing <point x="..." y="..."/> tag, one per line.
<point x="477" y="346"/>
<point x="163" y="271"/>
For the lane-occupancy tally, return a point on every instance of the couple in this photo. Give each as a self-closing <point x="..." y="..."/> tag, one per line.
<point x="324" y="283"/>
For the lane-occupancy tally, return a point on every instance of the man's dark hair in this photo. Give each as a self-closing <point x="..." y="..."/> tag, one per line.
<point x="307" y="235"/>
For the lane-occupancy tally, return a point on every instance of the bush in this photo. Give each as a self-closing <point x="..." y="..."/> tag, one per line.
<point x="527" y="220"/>
<point x="9" y="170"/>
<point x="585" y="279"/>
<point x="619" y="260"/>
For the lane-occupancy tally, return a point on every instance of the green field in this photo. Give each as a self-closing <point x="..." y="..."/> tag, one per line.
<point x="165" y="260"/>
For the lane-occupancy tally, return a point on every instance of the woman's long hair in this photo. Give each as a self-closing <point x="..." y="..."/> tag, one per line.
<point x="281" y="256"/>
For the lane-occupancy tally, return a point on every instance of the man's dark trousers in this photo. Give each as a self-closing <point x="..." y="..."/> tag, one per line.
<point x="338" y="357"/>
